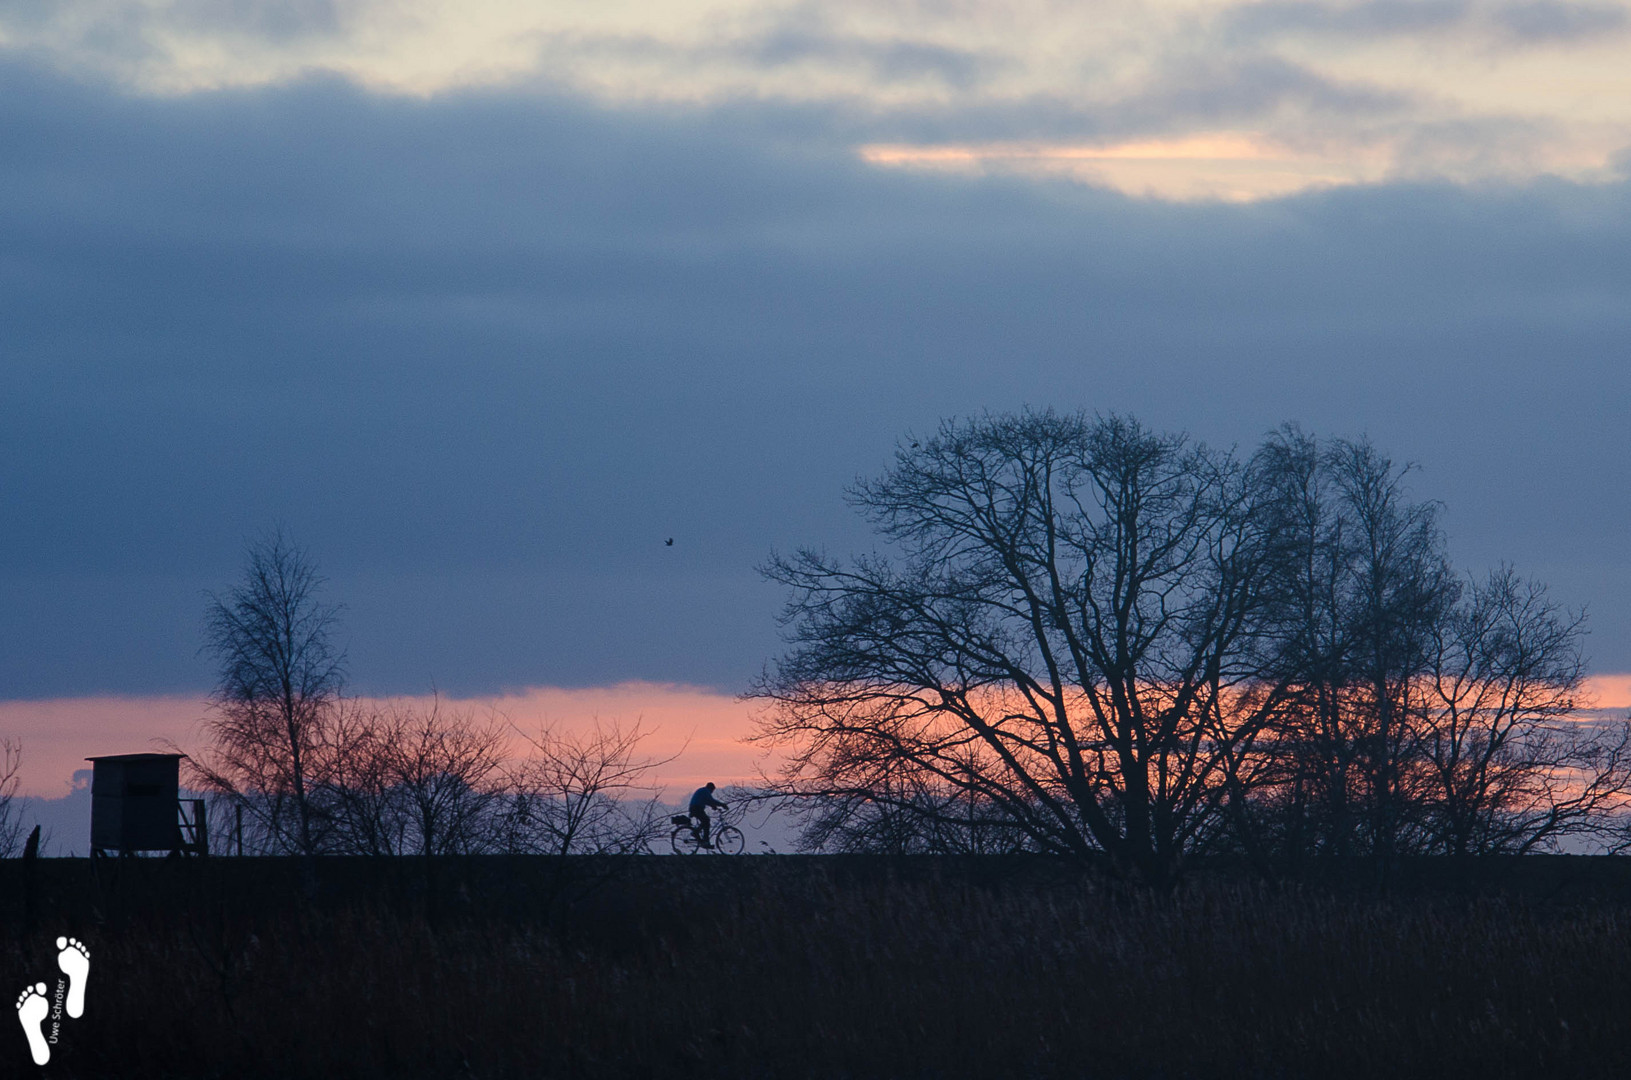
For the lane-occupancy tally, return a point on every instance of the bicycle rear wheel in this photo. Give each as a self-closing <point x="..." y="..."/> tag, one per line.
<point x="728" y="840"/>
<point x="684" y="840"/>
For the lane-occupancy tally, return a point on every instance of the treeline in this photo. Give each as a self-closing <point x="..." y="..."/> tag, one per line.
<point x="427" y="780"/>
<point x="294" y="766"/>
<point x="1087" y="636"/>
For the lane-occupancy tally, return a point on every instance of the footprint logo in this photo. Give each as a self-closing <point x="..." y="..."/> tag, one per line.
<point x="31" y="1010"/>
<point x="75" y="961"/>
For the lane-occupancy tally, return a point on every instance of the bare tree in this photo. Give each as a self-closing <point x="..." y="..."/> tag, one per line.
<point x="1091" y="637"/>
<point x="11" y="821"/>
<point x="1070" y="637"/>
<point x="1403" y="590"/>
<point x="403" y="779"/>
<point x="279" y="675"/>
<point x="1508" y="768"/>
<point x="1358" y="583"/>
<point x="368" y="808"/>
<point x="446" y="766"/>
<point x="584" y="792"/>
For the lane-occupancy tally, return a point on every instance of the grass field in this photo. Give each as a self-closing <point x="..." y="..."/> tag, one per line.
<point x="826" y="967"/>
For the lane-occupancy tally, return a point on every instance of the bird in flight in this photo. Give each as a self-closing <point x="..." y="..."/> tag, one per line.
<point x="669" y="542"/>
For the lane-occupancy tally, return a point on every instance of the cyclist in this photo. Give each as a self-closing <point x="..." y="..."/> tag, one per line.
<point x="701" y="799"/>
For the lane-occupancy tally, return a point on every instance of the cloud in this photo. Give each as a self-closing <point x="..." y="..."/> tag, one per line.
<point x="1359" y="78"/>
<point x="484" y="352"/>
<point x="1229" y="167"/>
<point x="886" y="61"/>
<point x="278" y="22"/>
<point x="1204" y="91"/>
<point x="1551" y="22"/>
<point x="1214" y="143"/>
<point x="1365" y="20"/>
<point x="1519" y="24"/>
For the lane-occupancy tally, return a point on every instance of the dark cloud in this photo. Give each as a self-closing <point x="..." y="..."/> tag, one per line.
<point x="275" y="22"/>
<point x="1200" y="91"/>
<point x="483" y="355"/>
<point x="792" y="39"/>
<point x="1473" y="146"/>
<point x="131" y="31"/>
<point x="1366" y="19"/>
<point x="1524" y="23"/>
<point x="885" y="61"/>
<point x="1550" y="21"/>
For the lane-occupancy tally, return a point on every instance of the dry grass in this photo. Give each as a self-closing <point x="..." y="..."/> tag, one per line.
<point x="819" y="967"/>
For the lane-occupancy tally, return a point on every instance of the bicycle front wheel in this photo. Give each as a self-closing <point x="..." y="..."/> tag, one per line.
<point x="728" y="840"/>
<point x="683" y="840"/>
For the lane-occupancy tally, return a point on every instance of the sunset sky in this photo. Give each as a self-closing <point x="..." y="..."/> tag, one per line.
<point x="483" y="301"/>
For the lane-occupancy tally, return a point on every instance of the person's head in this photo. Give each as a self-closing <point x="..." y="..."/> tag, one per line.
<point x="710" y="785"/>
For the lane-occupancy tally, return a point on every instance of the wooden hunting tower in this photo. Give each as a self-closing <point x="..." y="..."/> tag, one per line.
<point x="136" y="806"/>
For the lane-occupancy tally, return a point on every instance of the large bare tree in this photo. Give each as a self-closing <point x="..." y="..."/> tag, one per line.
<point x="1068" y="636"/>
<point x="1086" y="636"/>
<point x="279" y="675"/>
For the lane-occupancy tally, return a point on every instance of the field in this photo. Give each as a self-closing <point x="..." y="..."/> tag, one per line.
<point x="826" y="967"/>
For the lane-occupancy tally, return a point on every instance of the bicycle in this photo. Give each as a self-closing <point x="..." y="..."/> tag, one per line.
<point x="686" y="839"/>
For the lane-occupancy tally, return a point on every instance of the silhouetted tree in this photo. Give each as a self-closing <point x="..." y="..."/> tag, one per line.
<point x="279" y="675"/>
<point x="586" y="792"/>
<point x="11" y="822"/>
<point x="1359" y="586"/>
<point x="1507" y="766"/>
<point x="446" y="767"/>
<point x="1430" y="714"/>
<point x="369" y="813"/>
<point x="1092" y="637"/>
<point x="1069" y="636"/>
<point x="404" y="779"/>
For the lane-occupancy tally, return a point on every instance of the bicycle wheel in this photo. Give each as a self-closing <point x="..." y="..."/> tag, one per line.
<point x="728" y="840"/>
<point x="684" y="840"/>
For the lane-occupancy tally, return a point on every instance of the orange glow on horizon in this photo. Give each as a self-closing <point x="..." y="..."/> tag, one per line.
<point x="1607" y="691"/>
<point x="1226" y="146"/>
<point x="1228" y="166"/>
<point x="704" y="728"/>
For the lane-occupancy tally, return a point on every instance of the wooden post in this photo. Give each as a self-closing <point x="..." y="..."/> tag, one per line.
<point x="31" y="857"/>
<point x="201" y="826"/>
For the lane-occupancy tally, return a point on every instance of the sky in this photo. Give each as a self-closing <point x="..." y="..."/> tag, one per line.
<point x="482" y="302"/>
